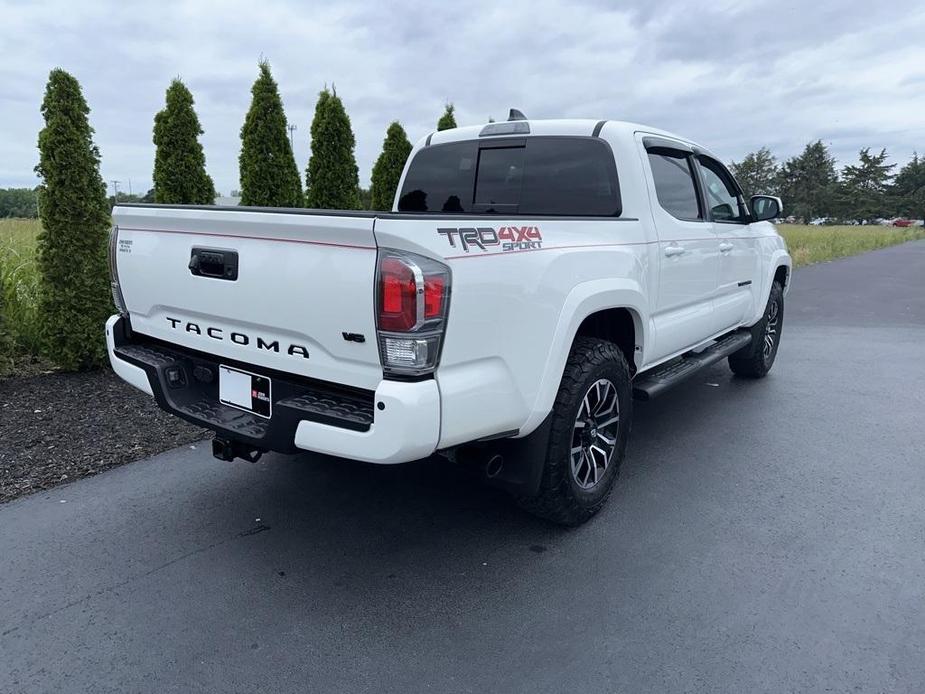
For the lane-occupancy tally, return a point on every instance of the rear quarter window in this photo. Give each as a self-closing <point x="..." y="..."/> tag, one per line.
<point x="567" y="176"/>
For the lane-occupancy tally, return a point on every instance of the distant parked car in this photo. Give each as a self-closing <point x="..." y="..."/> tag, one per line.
<point x="902" y="222"/>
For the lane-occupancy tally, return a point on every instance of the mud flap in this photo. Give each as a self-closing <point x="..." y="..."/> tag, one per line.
<point x="523" y="460"/>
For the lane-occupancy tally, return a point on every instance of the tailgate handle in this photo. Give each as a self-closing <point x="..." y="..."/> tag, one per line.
<point x="214" y="262"/>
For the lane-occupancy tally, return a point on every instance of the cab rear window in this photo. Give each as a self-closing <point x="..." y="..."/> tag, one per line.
<point x="567" y="176"/>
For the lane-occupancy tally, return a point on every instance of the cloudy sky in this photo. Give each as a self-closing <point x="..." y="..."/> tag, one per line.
<point x="735" y="75"/>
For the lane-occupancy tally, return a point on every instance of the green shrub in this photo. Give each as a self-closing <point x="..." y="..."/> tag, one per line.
<point x="74" y="296"/>
<point x="366" y="198"/>
<point x="331" y="180"/>
<point x="388" y="167"/>
<point x="18" y="202"/>
<point x="269" y="175"/>
<point x="179" y="163"/>
<point x="448" y="119"/>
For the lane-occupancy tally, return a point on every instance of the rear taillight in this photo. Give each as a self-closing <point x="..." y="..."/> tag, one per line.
<point x="398" y="295"/>
<point x="114" y="272"/>
<point x="413" y="295"/>
<point x="434" y="296"/>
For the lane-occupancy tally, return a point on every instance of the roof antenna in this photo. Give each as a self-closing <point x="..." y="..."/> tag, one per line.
<point x="516" y="115"/>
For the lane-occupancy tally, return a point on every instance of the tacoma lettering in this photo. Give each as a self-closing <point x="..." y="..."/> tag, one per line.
<point x="238" y="338"/>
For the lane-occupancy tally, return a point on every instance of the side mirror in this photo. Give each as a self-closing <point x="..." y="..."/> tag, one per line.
<point x="765" y="207"/>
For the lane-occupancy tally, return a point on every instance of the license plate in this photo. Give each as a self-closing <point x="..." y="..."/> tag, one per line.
<point x="244" y="390"/>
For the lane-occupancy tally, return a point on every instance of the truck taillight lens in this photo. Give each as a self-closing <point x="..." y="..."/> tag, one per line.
<point x="114" y="272"/>
<point x="434" y="294"/>
<point x="413" y="294"/>
<point x="397" y="295"/>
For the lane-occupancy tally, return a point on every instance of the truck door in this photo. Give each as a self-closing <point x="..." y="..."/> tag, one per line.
<point x="688" y="249"/>
<point x="738" y="262"/>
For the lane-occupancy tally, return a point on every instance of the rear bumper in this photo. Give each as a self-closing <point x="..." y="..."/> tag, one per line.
<point x="396" y="423"/>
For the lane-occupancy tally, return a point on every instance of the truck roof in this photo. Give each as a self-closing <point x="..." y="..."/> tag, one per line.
<point x="552" y="126"/>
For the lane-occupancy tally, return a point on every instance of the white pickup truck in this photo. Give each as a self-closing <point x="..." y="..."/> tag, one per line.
<point x="533" y="279"/>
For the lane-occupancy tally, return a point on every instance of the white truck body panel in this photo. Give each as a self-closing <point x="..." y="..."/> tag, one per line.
<point x="305" y="279"/>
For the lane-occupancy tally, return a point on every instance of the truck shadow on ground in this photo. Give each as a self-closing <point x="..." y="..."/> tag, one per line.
<point x="392" y="540"/>
<point x="378" y="508"/>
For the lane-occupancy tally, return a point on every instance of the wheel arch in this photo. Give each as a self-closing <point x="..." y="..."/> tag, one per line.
<point x="782" y="275"/>
<point x="599" y="308"/>
<point x="618" y="325"/>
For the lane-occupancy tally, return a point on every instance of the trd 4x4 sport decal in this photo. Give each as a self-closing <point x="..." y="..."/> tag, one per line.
<point x="509" y="238"/>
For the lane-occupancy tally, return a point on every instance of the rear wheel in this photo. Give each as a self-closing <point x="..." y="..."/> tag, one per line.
<point x="589" y="430"/>
<point x="755" y="360"/>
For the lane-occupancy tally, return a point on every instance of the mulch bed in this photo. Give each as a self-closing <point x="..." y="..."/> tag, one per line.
<point x="57" y="427"/>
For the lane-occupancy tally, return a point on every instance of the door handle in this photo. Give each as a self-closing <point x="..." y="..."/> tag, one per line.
<point x="673" y="250"/>
<point x="725" y="247"/>
<point x="214" y="262"/>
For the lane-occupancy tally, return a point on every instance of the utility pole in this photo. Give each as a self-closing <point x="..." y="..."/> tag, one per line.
<point x="292" y="127"/>
<point x="115" y="188"/>
<point x="129" y="186"/>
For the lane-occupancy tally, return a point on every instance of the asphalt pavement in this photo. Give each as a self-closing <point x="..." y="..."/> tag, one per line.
<point x="765" y="537"/>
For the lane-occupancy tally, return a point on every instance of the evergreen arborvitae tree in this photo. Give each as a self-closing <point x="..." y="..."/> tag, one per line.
<point x="388" y="167"/>
<point x="447" y="120"/>
<point x="74" y="296"/>
<point x="269" y="175"/>
<point x="331" y="180"/>
<point x="179" y="163"/>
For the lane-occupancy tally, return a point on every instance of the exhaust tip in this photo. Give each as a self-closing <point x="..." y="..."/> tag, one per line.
<point x="494" y="465"/>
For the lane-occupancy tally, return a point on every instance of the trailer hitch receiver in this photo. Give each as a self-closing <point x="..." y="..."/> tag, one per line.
<point x="229" y="449"/>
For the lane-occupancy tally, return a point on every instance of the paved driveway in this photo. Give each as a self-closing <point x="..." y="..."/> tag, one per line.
<point x="765" y="536"/>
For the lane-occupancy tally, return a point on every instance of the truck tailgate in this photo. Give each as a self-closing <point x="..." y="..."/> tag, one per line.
<point x="296" y="294"/>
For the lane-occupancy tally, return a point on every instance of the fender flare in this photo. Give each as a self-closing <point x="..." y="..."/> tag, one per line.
<point x="780" y="258"/>
<point x="582" y="301"/>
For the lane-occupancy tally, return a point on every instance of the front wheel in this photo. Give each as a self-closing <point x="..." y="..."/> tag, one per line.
<point x="755" y="360"/>
<point x="587" y="442"/>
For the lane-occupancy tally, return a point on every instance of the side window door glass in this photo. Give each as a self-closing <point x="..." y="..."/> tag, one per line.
<point x="722" y="196"/>
<point x="674" y="183"/>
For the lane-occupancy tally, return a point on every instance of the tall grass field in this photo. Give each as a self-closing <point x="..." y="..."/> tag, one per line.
<point x="19" y="334"/>
<point x="815" y="244"/>
<point x="19" y="275"/>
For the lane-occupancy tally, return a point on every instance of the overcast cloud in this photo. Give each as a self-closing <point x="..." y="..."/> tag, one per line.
<point x="734" y="77"/>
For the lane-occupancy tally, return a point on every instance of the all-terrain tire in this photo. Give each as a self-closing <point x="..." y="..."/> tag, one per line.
<point x="562" y="498"/>
<point x="755" y="360"/>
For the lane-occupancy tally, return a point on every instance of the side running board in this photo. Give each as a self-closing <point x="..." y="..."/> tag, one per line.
<point x="651" y="383"/>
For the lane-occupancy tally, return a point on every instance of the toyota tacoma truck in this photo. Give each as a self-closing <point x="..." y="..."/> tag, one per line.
<point x="533" y="279"/>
